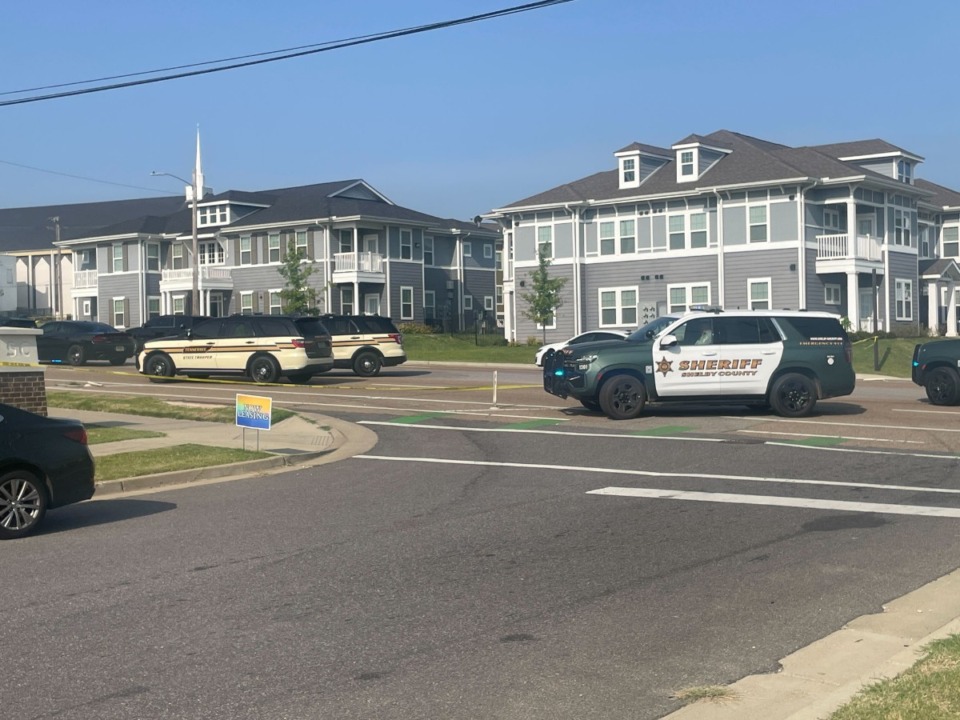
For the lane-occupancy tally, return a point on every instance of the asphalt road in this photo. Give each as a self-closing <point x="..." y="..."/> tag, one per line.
<point x="517" y="559"/>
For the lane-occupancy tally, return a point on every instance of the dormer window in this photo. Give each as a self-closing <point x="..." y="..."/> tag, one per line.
<point x="687" y="164"/>
<point x="212" y="215"/>
<point x="629" y="170"/>
<point x="905" y="171"/>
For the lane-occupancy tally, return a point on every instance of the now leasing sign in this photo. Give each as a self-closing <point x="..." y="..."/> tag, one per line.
<point x="254" y="411"/>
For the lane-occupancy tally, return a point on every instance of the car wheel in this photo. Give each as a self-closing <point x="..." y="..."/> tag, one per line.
<point x="367" y="364"/>
<point x="76" y="355"/>
<point x="159" y="366"/>
<point x="546" y="356"/>
<point x="299" y="378"/>
<point x="264" y="369"/>
<point x="591" y="405"/>
<point x="622" y="397"/>
<point x="23" y="503"/>
<point x="118" y="361"/>
<point x="943" y="386"/>
<point x="793" y="395"/>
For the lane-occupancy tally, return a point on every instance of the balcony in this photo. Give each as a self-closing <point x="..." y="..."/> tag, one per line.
<point x="85" y="280"/>
<point x="211" y="277"/>
<point x="358" y="267"/>
<point x="843" y="253"/>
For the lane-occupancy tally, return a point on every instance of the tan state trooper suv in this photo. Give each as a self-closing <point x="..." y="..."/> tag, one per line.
<point x="365" y="343"/>
<point x="262" y="347"/>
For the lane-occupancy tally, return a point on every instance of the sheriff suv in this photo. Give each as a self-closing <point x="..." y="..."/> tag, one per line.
<point x="786" y="360"/>
<point x="262" y="347"/>
<point x="365" y="343"/>
<point x="936" y="367"/>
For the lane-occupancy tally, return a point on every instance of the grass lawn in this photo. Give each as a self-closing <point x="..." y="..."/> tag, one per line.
<point x="149" y="406"/>
<point x="97" y="434"/>
<point x="181" y="457"/>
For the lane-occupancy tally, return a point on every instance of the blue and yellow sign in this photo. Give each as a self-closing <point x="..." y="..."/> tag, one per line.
<point x="254" y="411"/>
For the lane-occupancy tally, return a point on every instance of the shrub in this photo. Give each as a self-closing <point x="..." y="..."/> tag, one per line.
<point x="411" y="328"/>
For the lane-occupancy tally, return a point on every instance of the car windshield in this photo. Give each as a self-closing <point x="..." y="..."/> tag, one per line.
<point x="651" y="329"/>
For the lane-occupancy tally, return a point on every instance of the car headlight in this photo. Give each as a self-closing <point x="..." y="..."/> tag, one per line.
<point x="583" y="362"/>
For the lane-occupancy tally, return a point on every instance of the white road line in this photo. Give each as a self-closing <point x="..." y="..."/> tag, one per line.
<point x="847" y="424"/>
<point x="829" y="437"/>
<point x="928" y="412"/>
<point x="805" y="503"/>
<point x="929" y="456"/>
<point x="423" y="426"/>
<point x="651" y="473"/>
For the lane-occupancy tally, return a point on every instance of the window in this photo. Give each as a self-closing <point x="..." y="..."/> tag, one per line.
<point x="487" y="251"/>
<point x="608" y="240"/>
<point x="698" y="230"/>
<point x="618" y="306"/>
<point x="153" y="307"/>
<point x="629" y="170"/>
<point x="831" y="294"/>
<point x="951" y="242"/>
<point x="276" y="304"/>
<point x="904" y="295"/>
<point x="499" y="294"/>
<point x="429" y="306"/>
<point x="246" y="256"/>
<point x="428" y="251"/>
<point x="498" y="262"/>
<point x="831" y="219"/>
<point x="628" y="237"/>
<point x="686" y="164"/>
<point x="119" y="305"/>
<point x="759" y="294"/>
<point x="211" y="253"/>
<point x="153" y="257"/>
<point x="273" y="247"/>
<point x="86" y="308"/>
<point x="901" y="228"/>
<point x="467" y="250"/>
<point x="758" y="223"/>
<point x="905" y="171"/>
<point x="550" y="324"/>
<point x="177" y="258"/>
<point x="468" y="302"/>
<point x="246" y="303"/>
<point x="545" y="242"/>
<point x="179" y="305"/>
<point x="924" y="233"/>
<point x="300" y="239"/>
<point x="677" y="230"/>
<point x="118" y="258"/>
<point x="406" y="244"/>
<point x="488" y="303"/>
<point x="346" y="241"/>
<point x="346" y="300"/>
<point x="212" y="215"/>
<point x="406" y="303"/>
<point x="683" y="297"/>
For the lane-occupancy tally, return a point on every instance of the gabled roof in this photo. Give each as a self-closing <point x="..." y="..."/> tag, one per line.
<point x="939" y="268"/>
<point x="646" y="150"/>
<point x="943" y="197"/>
<point x="864" y="149"/>
<point x="30" y="228"/>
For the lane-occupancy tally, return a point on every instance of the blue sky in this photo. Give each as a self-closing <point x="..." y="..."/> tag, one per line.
<point x="459" y="121"/>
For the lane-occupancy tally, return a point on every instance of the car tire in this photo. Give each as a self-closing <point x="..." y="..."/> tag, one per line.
<point x="367" y="364"/>
<point x="76" y="355"/>
<point x="299" y="378"/>
<point x="546" y="356"/>
<point x="591" y="405"/>
<point x="118" y="361"/>
<point x="264" y="369"/>
<point x="623" y="397"/>
<point x="159" y="367"/>
<point x="793" y="395"/>
<point x="943" y="386"/>
<point x="23" y="503"/>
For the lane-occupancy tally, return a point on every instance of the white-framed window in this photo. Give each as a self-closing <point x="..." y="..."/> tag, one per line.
<point x="406" y="244"/>
<point x="345" y="238"/>
<point x="176" y="253"/>
<point x="406" y="302"/>
<point x="677" y="232"/>
<point x="211" y="253"/>
<point x="214" y="215"/>
<point x="905" y="171"/>
<point x="618" y="306"/>
<point x="498" y="260"/>
<point x="246" y="254"/>
<point x="687" y="165"/>
<point x="608" y="238"/>
<point x="467" y="250"/>
<point x="487" y="251"/>
<point x="831" y="294"/>
<point x="759" y="293"/>
<point x="499" y="291"/>
<point x="550" y="324"/>
<point x="628" y="237"/>
<point x="153" y="306"/>
<point x="276" y="304"/>
<point x="831" y="219"/>
<point x="179" y="305"/>
<point x="119" y="306"/>
<point x="904" y="299"/>
<point x="346" y="300"/>
<point x="901" y="228"/>
<point x="153" y="257"/>
<point x="246" y="303"/>
<point x="273" y="247"/>
<point x="683" y="297"/>
<point x="629" y="170"/>
<point x="118" y="258"/>
<point x="758" y="223"/>
<point x="698" y="230"/>
<point x="950" y="247"/>
<point x="468" y="302"/>
<point x="428" y="250"/>
<point x="488" y="303"/>
<point x="87" y="307"/>
<point x="545" y="241"/>
<point x="301" y="243"/>
<point x="429" y="306"/>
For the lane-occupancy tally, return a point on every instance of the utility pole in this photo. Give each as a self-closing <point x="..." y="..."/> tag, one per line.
<point x="57" y="280"/>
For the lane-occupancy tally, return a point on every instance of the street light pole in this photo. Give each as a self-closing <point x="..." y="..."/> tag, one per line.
<point x="195" y="261"/>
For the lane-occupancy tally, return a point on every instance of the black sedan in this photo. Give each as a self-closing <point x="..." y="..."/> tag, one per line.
<point x="77" y="341"/>
<point x="44" y="463"/>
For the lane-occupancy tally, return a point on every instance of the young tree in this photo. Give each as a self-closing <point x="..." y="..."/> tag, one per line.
<point x="544" y="299"/>
<point x="298" y="297"/>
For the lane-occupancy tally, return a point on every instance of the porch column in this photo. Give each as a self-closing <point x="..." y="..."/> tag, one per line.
<point x="952" y="309"/>
<point x="853" y="300"/>
<point x="933" y="308"/>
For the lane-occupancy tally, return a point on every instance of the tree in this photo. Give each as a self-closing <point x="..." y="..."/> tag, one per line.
<point x="544" y="299"/>
<point x="298" y="297"/>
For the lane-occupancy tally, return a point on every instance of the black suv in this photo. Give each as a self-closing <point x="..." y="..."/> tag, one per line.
<point x="163" y="326"/>
<point x="936" y="367"/>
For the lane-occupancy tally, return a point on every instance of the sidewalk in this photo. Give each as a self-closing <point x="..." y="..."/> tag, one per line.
<point x="299" y="440"/>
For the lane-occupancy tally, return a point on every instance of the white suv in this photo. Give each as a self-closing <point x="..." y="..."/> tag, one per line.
<point x="262" y="347"/>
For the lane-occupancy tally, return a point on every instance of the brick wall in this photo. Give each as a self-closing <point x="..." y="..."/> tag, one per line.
<point x="25" y="390"/>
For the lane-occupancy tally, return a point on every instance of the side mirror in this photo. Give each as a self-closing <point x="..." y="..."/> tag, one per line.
<point x="189" y="333"/>
<point x="668" y="341"/>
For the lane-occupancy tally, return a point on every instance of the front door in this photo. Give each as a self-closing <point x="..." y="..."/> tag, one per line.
<point x="371" y="304"/>
<point x="866" y="310"/>
<point x="370" y="244"/>
<point x="216" y="304"/>
<point x="689" y="366"/>
<point x="866" y="226"/>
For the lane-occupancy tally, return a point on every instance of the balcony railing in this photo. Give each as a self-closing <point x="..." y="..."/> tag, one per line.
<point x="207" y="272"/>
<point x="84" y="279"/>
<point x="842" y="247"/>
<point x="363" y="262"/>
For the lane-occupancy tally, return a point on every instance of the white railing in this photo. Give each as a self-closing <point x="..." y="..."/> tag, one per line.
<point x="207" y="272"/>
<point x="838" y="247"/>
<point x="358" y="262"/>
<point x="84" y="279"/>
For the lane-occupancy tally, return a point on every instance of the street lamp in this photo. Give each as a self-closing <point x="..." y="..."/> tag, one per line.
<point x="195" y="262"/>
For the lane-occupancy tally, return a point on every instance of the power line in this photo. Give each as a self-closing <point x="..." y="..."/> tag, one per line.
<point x="82" y="177"/>
<point x="323" y="47"/>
